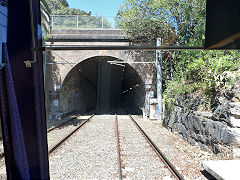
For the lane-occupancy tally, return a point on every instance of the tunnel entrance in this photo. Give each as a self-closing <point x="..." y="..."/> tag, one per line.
<point x="98" y="86"/>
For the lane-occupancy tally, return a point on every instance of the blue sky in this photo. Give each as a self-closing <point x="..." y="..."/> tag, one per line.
<point x="97" y="7"/>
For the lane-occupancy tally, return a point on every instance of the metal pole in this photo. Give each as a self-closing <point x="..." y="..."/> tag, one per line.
<point x="52" y="22"/>
<point x="102" y="22"/>
<point x="159" y="80"/>
<point x="44" y="66"/>
<point x="171" y="68"/>
<point x="77" y="22"/>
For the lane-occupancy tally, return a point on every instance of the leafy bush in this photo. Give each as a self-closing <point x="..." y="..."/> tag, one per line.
<point x="204" y="74"/>
<point x="180" y="23"/>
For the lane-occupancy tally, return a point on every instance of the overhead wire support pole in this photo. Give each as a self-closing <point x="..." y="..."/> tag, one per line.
<point x="102" y="22"/>
<point x="171" y="69"/>
<point x="159" y="80"/>
<point x="77" y="21"/>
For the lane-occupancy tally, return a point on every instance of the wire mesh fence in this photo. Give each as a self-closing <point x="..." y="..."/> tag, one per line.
<point x="84" y="22"/>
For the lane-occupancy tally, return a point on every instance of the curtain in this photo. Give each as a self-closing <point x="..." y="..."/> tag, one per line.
<point x="15" y="150"/>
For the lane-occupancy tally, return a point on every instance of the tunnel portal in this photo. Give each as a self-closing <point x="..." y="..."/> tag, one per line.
<point x="99" y="86"/>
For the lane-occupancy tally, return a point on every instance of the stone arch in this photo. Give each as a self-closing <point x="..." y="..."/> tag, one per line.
<point x="94" y="83"/>
<point x="91" y="54"/>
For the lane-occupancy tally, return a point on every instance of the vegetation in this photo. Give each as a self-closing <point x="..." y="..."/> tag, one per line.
<point x="84" y="20"/>
<point x="61" y="7"/>
<point x="175" y="21"/>
<point x="181" y="23"/>
<point x="203" y="74"/>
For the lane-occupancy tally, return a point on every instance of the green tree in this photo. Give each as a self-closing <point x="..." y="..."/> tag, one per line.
<point x="61" y="7"/>
<point x="181" y="23"/>
<point x="84" y="20"/>
<point x="175" y="21"/>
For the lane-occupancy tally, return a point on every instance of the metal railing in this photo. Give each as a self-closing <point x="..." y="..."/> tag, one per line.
<point x="84" y="22"/>
<point x="45" y="18"/>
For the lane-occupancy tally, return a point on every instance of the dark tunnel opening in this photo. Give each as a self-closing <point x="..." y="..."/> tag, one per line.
<point x="97" y="86"/>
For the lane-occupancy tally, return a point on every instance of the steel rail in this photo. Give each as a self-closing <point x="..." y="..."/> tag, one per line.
<point x="118" y="149"/>
<point x="170" y="166"/>
<point x="73" y="48"/>
<point x="2" y="155"/>
<point x="62" y="124"/>
<point x="68" y="136"/>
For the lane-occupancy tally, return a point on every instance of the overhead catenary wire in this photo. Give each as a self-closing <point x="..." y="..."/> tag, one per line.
<point x="61" y="63"/>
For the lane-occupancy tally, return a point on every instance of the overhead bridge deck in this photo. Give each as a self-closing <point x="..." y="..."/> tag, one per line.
<point x="88" y="35"/>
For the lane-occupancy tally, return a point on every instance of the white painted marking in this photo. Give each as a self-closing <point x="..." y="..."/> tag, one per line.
<point x="129" y="169"/>
<point x="167" y="178"/>
<point x="223" y="169"/>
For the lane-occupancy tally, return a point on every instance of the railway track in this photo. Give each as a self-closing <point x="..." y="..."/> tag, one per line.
<point x="64" y="139"/>
<point x="90" y="154"/>
<point x="53" y="148"/>
<point x="122" y="155"/>
<point x="62" y="124"/>
<point x="56" y="146"/>
<point x="118" y="149"/>
<point x="125" y="154"/>
<point x="133" y="149"/>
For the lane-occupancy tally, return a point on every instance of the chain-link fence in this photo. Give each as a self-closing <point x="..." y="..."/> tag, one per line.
<point x="84" y="22"/>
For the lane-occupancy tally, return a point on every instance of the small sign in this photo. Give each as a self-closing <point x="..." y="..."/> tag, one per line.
<point x="151" y="94"/>
<point x="103" y="52"/>
<point x="56" y="102"/>
<point x="148" y="81"/>
<point x="148" y="86"/>
<point x="57" y="87"/>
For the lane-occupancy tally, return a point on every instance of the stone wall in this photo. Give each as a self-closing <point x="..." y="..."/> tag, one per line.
<point x="215" y="131"/>
<point x="74" y="94"/>
<point x="59" y="64"/>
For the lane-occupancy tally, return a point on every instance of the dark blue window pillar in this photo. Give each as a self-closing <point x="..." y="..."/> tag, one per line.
<point x="29" y="91"/>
